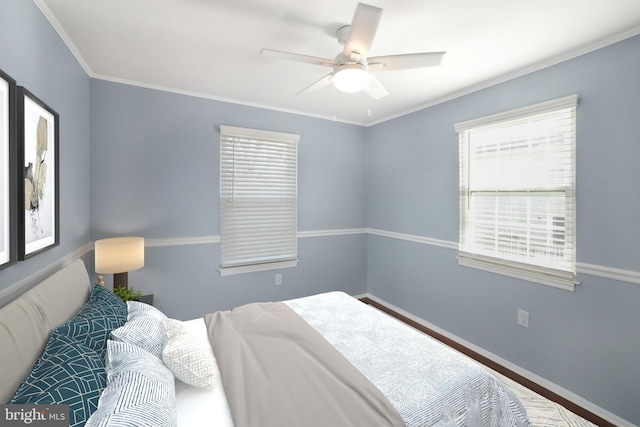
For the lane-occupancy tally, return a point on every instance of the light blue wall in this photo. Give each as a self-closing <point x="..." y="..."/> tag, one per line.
<point x="155" y="173"/>
<point x="33" y="54"/>
<point x="139" y="161"/>
<point x="586" y="341"/>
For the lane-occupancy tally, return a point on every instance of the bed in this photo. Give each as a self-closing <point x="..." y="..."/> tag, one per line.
<point x="322" y="360"/>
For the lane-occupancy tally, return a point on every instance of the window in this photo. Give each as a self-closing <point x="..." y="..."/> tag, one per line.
<point x="258" y="200"/>
<point x="517" y="193"/>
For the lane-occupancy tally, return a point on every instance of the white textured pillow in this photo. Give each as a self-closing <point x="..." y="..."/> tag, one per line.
<point x="136" y="309"/>
<point x="140" y="390"/>
<point x="146" y="332"/>
<point x="188" y="356"/>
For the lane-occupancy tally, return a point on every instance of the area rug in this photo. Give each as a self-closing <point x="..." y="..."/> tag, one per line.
<point x="543" y="412"/>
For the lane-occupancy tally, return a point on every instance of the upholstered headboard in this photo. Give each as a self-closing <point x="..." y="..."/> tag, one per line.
<point x="25" y="324"/>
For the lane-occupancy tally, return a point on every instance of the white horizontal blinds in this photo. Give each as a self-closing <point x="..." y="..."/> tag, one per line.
<point x="517" y="194"/>
<point x="258" y="197"/>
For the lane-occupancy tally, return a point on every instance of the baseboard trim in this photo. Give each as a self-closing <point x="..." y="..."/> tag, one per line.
<point x="543" y="387"/>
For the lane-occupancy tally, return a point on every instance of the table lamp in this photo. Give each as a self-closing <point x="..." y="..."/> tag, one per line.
<point x="118" y="256"/>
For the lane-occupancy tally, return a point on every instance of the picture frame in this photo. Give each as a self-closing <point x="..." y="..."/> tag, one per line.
<point x="8" y="179"/>
<point x="38" y="175"/>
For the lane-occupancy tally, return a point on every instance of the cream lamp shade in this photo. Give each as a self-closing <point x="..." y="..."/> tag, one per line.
<point x="118" y="256"/>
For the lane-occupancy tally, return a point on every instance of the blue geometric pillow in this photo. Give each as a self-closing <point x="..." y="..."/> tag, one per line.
<point x="93" y="324"/>
<point x="91" y="332"/>
<point x="100" y="293"/>
<point x="68" y="372"/>
<point x="99" y="307"/>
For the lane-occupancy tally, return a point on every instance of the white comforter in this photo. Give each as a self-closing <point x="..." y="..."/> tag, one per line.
<point x="428" y="383"/>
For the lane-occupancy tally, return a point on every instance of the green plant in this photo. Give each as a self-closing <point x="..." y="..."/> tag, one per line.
<point x="127" y="294"/>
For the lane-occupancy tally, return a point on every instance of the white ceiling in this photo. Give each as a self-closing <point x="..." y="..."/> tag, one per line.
<point x="211" y="48"/>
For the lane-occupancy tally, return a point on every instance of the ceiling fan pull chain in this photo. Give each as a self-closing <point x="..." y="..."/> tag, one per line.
<point x="334" y="103"/>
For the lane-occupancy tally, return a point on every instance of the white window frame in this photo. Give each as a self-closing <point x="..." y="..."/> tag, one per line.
<point x="258" y="200"/>
<point x="523" y="262"/>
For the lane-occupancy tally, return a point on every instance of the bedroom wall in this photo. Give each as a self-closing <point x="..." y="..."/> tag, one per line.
<point x="33" y="54"/>
<point x="140" y="161"/>
<point x="585" y="341"/>
<point x="155" y="173"/>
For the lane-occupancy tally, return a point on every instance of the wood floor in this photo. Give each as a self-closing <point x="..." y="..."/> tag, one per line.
<point x="516" y="379"/>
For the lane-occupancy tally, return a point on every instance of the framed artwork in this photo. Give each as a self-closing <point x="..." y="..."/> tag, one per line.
<point x="8" y="235"/>
<point x="38" y="175"/>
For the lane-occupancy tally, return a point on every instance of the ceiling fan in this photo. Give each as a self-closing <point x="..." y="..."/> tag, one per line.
<point x="352" y="67"/>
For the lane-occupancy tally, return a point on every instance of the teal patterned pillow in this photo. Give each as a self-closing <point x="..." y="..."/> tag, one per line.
<point x="94" y="322"/>
<point x="115" y="314"/>
<point x="100" y="293"/>
<point x="69" y="373"/>
<point x="91" y="332"/>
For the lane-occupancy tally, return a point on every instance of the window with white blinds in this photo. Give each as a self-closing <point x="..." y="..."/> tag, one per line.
<point x="517" y="193"/>
<point x="258" y="200"/>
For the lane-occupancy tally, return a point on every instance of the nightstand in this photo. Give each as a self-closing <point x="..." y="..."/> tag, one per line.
<point x="147" y="299"/>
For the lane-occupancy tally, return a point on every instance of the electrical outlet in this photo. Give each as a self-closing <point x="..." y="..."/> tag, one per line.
<point x="278" y="279"/>
<point x="523" y="318"/>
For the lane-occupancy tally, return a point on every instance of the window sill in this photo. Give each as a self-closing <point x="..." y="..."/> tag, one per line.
<point x="567" y="284"/>
<point x="228" y="271"/>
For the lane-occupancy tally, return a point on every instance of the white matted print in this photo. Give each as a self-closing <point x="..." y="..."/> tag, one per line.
<point x="7" y="170"/>
<point x="39" y="178"/>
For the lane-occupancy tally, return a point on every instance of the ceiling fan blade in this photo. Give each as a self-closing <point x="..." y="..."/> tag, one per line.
<point x="362" y="31"/>
<point x="324" y="62"/>
<point x="405" y="61"/>
<point x="325" y="81"/>
<point x="375" y="88"/>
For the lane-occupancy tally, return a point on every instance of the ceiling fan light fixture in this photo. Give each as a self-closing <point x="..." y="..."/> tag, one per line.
<point x="351" y="77"/>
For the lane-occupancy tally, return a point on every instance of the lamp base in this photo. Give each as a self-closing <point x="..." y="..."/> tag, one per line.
<point x="121" y="280"/>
